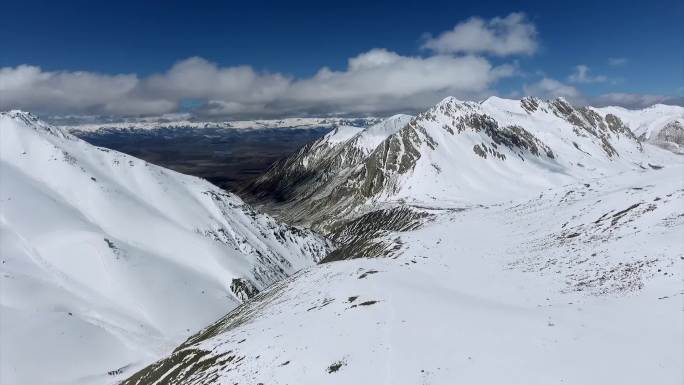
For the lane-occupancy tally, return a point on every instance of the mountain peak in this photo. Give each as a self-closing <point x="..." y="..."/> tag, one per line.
<point x="24" y="116"/>
<point x="494" y="99"/>
<point x="28" y="120"/>
<point x="457" y="150"/>
<point x="451" y="102"/>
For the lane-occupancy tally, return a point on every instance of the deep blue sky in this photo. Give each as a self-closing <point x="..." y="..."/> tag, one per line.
<point x="297" y="38"/>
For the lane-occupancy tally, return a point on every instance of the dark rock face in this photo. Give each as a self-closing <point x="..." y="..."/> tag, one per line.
<point x="673" y="132"/>
<point x="516" y="137"/>
<point x="243" y="289"/>
<point x="398" y="154"/>
<point x="530" y="104"/>
<point x="359" y="238"/>
<point x="586" y="122"/>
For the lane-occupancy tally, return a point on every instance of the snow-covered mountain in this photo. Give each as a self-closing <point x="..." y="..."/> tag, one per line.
<point x="298" y="123"/>
<point x="108" y="261"/>
<point x="316" y="164"/>
<point x="659" y="124"/>
<point x="456" y="151"/>
<point x="509" y="241"/>
<point x="530" y="242"/>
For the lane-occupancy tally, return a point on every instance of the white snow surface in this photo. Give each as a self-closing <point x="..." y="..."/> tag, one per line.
<point x="456" y="152"/>
<point x="341" y="134"/>
<point x="109" y="262"/>
<point x="550" y="258"/>
<point x="533" y="269"/>
<point x="350" y="144"/>
<point x="648" y="121"/>
<point x="372" y="136"/>
<point x="448" y="169"/>
<point x="581" y="284"/>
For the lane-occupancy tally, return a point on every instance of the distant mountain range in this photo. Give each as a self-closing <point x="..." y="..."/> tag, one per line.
<point x="237" y="124"/>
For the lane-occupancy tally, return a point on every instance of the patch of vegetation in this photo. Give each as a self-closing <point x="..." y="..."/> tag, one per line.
<point x="359" y="238"/>
<point x="335" y="366"/>
<point x="366" y="274"/>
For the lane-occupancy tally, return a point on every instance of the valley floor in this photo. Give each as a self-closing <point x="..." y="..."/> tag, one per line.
<point x="581" y="285"/>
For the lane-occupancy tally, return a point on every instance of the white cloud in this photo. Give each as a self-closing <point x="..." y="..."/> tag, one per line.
<point x="27" y="86"/>
<point x="510" y="35"/>
<point x="617" y="61"/>
<point x="374" y="81"/>
<point x="198" y="78"/>
<point x="548" y="88"/>
<point x="582" y="75"/>
<point x="380" y="80"/>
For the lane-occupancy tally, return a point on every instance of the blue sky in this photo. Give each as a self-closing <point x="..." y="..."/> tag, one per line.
<point x="255" y="55"/>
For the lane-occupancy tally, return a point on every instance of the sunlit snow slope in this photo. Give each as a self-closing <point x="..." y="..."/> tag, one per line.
<point x="581" y="284"/>
<point x="108" y="261"/>
<point x="531" y="243"/>
<point x="457" y="151"/>
<point x="660" y="124"/>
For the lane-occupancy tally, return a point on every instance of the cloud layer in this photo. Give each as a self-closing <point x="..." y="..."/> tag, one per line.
<point x="549" y="88"/>
<point x="510" y="35"/>
<point x="375" y="81"/>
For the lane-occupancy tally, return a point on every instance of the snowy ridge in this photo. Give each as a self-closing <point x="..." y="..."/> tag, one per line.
<point x="115" y="260"/>
<point x="659" y="124"/>
<point x="457" y="151"/>
<point x="316" y="168"/>
<point x="460" y="150"/>
<point x="647" y="121"/>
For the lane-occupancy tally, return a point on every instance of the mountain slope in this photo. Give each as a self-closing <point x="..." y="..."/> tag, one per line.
<point x="108" y="261"/>
<point x="308" y="173"/>
<point x="455" y="152"/>
<point x="659" y="124"/>
<point x="517" y="242"/>
<point x="581" y="284"/>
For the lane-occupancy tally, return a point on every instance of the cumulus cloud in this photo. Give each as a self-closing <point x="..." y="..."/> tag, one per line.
<point x="375" y="81"/>
<point x="380" y="80"/>
<point x="510" y="35"/>
<point x="582" y="74"/>
<point x="197" y="78"/>
<point x="27" y="86"/>
<point x="548" y="88"/>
